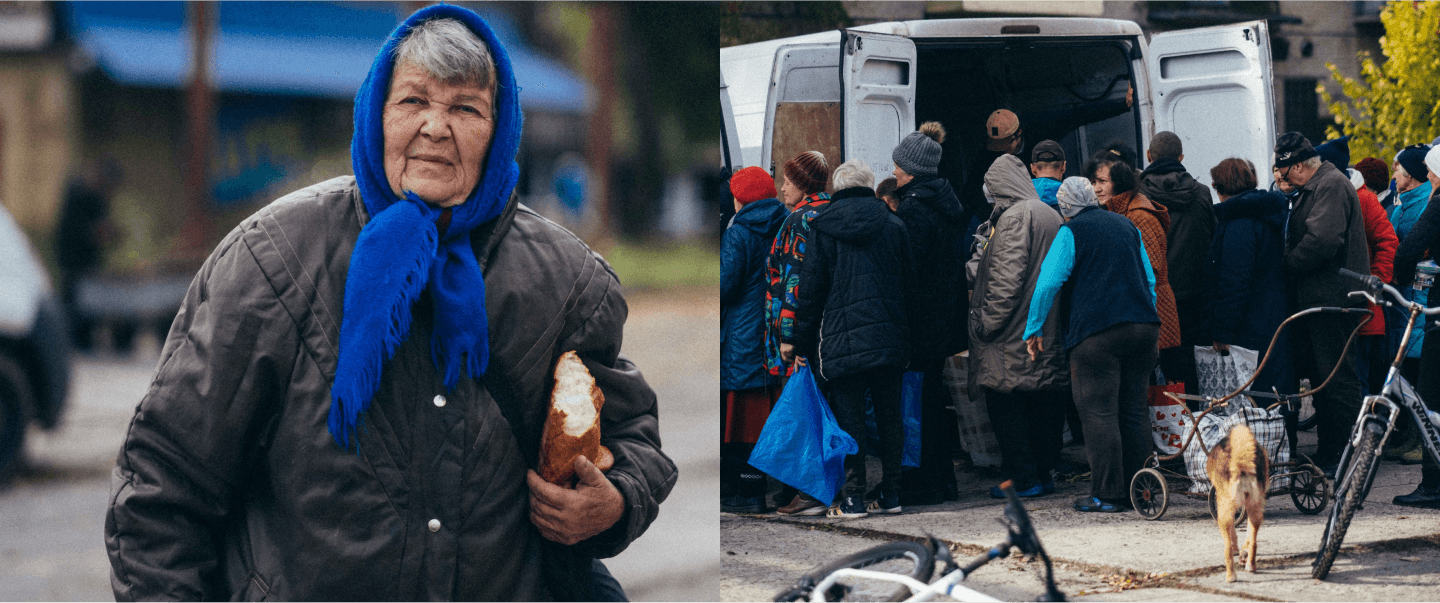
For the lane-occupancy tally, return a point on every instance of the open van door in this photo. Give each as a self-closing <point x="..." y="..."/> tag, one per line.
<point x="1212" y="88"/>
<point x="877" y="76"/>
<point x="803" y="109"/>
<point x="731" y="160"/>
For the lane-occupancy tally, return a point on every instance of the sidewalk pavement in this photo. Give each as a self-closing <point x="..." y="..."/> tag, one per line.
<point x="1391" y="553"/>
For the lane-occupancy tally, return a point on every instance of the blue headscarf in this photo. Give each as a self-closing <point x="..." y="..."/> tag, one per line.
<point x="400" y="252"/>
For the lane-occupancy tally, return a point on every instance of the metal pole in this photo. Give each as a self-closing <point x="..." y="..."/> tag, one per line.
<point x="200" y="119"/>
<point x="600" y="71"/>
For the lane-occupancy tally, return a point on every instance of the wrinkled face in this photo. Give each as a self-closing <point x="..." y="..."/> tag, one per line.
<point x="902" y="177"/>
<point x="1280" y="181"/>
<point x="1103" y="185"/>
<point x="790" y="194"/>
<point x="436" y="136"/>
<point x="1297" y="175"/>
<point x="1403" y="180"/>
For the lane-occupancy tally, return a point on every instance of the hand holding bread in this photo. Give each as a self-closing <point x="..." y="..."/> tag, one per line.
<point x="570" y="499"/>
<point x="572" y="428"/>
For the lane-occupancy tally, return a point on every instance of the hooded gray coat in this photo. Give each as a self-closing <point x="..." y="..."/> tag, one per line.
<point x="1006" y="270"/>
<point x="230" y="486"/>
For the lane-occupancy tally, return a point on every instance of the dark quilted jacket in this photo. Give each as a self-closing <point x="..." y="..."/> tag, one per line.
<point x="853" y="314"/>
<point x="933" y="217"/>
<point x="229" y="485"/>
<point x="1245" y="269"/>
<point x="1192" y="223"/>
<point x="742" y="294"/>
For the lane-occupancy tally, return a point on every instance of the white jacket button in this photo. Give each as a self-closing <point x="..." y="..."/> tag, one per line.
<point x="440" y="401"/>
<point x="434" y="525"/>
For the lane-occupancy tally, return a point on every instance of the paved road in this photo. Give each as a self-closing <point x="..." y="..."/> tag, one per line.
<point x="52" y="518"/>
<point x="1391" y="553"/>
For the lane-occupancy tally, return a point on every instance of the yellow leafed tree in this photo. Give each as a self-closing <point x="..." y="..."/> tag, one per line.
<point x="1396" y="104"/>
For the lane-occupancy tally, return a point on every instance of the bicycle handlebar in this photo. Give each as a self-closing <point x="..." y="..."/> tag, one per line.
<point x="1374" y="287"/>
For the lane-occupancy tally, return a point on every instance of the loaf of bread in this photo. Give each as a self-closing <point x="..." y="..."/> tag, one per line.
<point x="573" y="425"/>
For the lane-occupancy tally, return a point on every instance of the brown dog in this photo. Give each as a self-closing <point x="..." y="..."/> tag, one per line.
<point x="1239" y="475"/>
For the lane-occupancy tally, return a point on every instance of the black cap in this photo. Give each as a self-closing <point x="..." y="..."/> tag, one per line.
<point x="1292" y="148"/>
<point x="1047" y="150"/>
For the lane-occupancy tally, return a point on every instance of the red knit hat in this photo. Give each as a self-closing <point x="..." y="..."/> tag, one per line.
<point x="1376" y="173"/>
<point x="808" y="171"/>
<point x="752" y="184"/>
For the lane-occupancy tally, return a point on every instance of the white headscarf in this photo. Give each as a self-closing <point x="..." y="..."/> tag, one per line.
<point x="1432" y="160"/>
<point x="1075" y="193"/>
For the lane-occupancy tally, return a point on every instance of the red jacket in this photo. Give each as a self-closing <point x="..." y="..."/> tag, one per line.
<point x="1380" y="236"/>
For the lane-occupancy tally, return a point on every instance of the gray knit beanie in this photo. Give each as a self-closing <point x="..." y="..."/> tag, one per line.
<point x="919" y="152"/>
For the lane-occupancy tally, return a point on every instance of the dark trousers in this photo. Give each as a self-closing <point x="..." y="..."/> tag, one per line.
<point x="847" y="399"/>
<point x="1108" y="374"/>
<point x="1317" y="342"/>
<point x="1178" y="363"/>
<point x="1429" y="390"/>
<point x="737" y="477"/>
<point x="604" y="586"/>
<point x="1372" y="362"/>
<point x="937" y="433"/>
<point x="1029" y="427"/>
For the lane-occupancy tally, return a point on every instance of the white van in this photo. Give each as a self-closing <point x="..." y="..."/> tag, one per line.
<point x="857" y="92"/>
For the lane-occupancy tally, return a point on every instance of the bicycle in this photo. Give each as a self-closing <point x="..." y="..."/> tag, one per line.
<point x="1360" y="460"/>
<point x="900" y="571"/>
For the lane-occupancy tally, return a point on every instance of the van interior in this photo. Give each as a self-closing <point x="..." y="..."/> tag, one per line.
<point x="960" y="83"/>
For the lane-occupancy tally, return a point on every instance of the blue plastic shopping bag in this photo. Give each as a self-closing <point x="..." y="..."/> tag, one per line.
<point x="910" y="391"/>
<point x="801" y="443"/>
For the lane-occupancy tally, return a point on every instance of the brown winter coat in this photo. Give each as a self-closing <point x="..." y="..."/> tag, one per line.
<point x="230" y="486"/>
<point x="1153" y="222"/>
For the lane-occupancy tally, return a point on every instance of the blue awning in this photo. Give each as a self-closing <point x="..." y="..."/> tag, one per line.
<point x="286" y="48"/>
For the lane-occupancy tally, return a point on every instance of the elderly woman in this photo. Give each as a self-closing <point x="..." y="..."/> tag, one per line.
<point x="1110" y="336"/>
<point x="355" y="386"/>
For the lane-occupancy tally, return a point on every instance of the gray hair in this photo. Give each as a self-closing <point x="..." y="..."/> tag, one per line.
<point x="448" y="51"/>
<point x="1312" y="163"/>
<point x="853" y="173"/>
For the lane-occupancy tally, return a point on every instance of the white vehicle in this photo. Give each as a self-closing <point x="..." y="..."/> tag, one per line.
<point x="856" y="92"/>
<point x="34" y="346"/>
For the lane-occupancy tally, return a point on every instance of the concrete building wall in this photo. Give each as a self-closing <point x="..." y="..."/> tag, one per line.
<point x="37" y="136"/>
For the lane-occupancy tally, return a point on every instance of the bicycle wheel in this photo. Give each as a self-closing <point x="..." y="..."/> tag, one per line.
<point x="903" y="558"/>
<point x="1306" y="418"/>
<point x="1349" y="494"/>
<point x="1214" y="507"/>
<point x="1149" y="493"/>
<point x="1309" y="490"/>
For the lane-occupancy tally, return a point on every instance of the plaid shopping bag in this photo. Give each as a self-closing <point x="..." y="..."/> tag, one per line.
<point x="1267" y="425"/>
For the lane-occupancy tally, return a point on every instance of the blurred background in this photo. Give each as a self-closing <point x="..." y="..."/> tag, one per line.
<point x="135" y="135"/>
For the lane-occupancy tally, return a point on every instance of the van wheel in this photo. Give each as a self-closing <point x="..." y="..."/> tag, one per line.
<point x="14" y="399"/>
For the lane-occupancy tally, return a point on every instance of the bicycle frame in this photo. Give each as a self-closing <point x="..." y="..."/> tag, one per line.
<point x="948" y="585"/>
<point x="1394" y="395"/>
<point x="1378" y="414"/>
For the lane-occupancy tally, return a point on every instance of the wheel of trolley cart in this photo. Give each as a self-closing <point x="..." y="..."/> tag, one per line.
<point x="1309" y="489"/>
<point x="1350" y="491"/>
<point x="1215" y="513"/>
<point x="903" y="558"/>
<point x="1149" y="493"/>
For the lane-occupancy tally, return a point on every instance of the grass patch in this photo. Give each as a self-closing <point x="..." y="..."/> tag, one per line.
<point x="665" y="265"/>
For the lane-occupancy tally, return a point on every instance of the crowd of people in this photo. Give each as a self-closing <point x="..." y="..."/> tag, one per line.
<point x="1068" y="294"/>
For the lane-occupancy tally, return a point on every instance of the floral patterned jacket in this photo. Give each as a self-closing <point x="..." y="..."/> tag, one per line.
<point x="782" y="268"/>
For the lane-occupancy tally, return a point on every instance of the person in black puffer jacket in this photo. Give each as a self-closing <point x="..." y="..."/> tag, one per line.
<point x="1192" y="224"/>
<point x="853" y="324"/>
<point x="747" y="390"/>
<point x="1424" y="235"/>
<point x="936" y="223"/>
